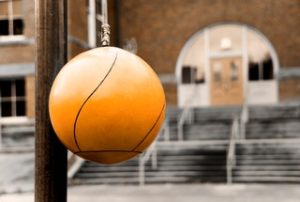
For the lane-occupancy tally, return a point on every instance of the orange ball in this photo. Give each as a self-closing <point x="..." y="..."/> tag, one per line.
<point x="107" y="105"/>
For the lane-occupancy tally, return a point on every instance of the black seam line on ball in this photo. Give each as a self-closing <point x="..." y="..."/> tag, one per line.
<point x="150" y="129"/>
<point x="107" y="151"/>
<point x="80" y="109"/>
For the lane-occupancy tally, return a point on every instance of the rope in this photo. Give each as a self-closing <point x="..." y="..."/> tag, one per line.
<point x="105" y="28"/>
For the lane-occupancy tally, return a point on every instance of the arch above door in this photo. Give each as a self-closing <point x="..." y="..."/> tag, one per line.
<point x="227" y="64"/>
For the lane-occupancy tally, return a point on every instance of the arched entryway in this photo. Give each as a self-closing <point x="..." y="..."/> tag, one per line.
<point x="227" y="64"/>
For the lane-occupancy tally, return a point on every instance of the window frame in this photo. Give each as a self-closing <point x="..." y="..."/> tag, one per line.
<point x="11" y="17"/>
<point x="13" y="98"/>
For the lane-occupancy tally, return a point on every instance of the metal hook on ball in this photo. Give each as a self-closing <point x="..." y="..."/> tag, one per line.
<point x="105" y="28"/>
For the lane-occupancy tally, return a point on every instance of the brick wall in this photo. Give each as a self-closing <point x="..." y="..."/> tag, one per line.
<point x="21" y="52"/>
<point x="162" y="27"/>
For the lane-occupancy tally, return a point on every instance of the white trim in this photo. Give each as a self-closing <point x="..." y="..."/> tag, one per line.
<point x="274" y="58"/>
<point x="224" y="54"/>
<point x="243" y="53"/>
<point x="17" y="70"/>
<point x="10" y="18"/>
<point x="245" y="62"/>
<point x="15" y="120"/>
<point x="12" y="38"/>
<point x="207" y="65"/>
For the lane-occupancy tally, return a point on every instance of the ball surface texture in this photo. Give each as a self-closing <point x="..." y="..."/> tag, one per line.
<point x="107" y="105"/>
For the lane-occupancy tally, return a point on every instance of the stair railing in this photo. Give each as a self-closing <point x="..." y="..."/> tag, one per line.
<point x="244" y="117"/>
<point x="231" y="157"/>
<point x="181" y="121"/>
<point x="152" y="153"/>
<point x="143" y="159"/>
<point x="186" y="116"/>
<point x="165" y="131"/>
<point x="74" y="164"/>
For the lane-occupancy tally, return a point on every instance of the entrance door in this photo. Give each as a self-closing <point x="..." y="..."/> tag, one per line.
<point x="226" y="81"/>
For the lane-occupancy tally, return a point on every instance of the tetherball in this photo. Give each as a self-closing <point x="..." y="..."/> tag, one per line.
<point x="107" y="105"/>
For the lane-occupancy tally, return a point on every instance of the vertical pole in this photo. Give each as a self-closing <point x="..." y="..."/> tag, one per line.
<point x="117" y="28"/>
<point x="0" y="121"/>
<point x="50" y="154"/>
<point x="92" y="24"/>
<point x="10" y="18"/>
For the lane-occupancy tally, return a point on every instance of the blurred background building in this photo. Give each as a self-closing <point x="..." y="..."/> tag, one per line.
<point x="230" y="70"/>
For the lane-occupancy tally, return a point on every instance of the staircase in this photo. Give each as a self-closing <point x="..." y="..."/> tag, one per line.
<point x="271" y="122"/>
<point x="267" y="163"/>
<point x="208" y="123"/>
<point x="17" y="134"/>
<point x="16" y="154"/>
<point x="269" y="154"/>
<point x="176" y="163"/>
<point x="93" y="173"/>
<point x="188" y="165"/>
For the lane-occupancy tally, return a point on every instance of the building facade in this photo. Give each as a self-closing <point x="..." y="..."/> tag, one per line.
<point x="219" y="52"/>
<point x="17" y="52"/>
<point x="206" y="52"/>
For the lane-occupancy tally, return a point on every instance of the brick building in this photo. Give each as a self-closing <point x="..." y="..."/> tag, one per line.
<point x="206" y="52"/>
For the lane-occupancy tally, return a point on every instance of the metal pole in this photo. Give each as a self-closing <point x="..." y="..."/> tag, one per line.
<point x="117" y="27"/>
<point x="92" y="24"/>
<point x="50" y="154"/>
<point x="0" y="121"/>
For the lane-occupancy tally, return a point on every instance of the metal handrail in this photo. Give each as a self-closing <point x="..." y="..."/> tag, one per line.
<point x="152" y="152"/>
<point x="186" y="115"/>
<point x="181" y="120"/>
<point x="231" y="158"/>
<point x="74" y="164"/>
<point x="244" y="117"/>
<point x="143" y="159"/>
<point x="165" y="130"/>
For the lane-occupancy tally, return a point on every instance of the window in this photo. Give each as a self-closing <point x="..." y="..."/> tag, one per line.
<point x="260" y="61"/>
<point x="262" y="70"/>
<point x="13" y="100"/>
<point x="228" y="40"/>
<point x="189" y="74"/>
<point x="193" y="64"/>
<point x="11" y="21"/>
<point x="217" y="69"/>
<point x="234" y="71"/>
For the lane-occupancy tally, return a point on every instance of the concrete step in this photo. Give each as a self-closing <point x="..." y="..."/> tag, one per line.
<point x="212" y="131"/>
<point x="164" y="168"/>
<point x="268" y="157"/>
<point x="274" y="112"/>
<point x="293" y="167"/>
<point x="295" y="173"/>
<point x="111" y="169"/>
<point x="106" y="175"/>
<point x="191" y="158"/>
<point x="273" y="129"/>
<point x="268" y="162"/>
<point x="185" y="179"/>
<point x="164" y="162"/>
<point x="266" y="179"/>
<point x="132" y="162"/>
<point x="124" y="181"/>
